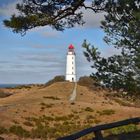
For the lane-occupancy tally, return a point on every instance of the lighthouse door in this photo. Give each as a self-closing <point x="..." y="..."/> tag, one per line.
<point x="72" y="79"/>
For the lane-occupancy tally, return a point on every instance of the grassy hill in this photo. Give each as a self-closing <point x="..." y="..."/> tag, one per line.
<point x="44" y="112"/>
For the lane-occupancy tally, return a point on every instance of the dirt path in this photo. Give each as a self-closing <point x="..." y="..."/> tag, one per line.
<point x="74" y="93"/>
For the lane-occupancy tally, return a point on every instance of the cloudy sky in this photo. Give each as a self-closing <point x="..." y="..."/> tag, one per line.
<point x="41" y="54"/>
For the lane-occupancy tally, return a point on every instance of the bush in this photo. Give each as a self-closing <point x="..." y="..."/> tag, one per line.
<point x="44" y="105"/>
<point x="60" y="78"/>
<point x="3" y="130"/>
<point x="27" y="123"/>
<point x="19" y="131"/>
<point x="4" y="94"/>
<point x="39" y="132"/>
<point x="106" y="112"/>
<point x="89" y="109"/>
<point x="123" y="129"/>
<point x="51" y="97"/>
<point x="88" y="82"/>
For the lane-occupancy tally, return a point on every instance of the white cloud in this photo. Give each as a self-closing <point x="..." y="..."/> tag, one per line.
<point x="37" y="46"/>
<point x="109" y="51"/>
<point x="9" y="9"/>
<point x="92" y="19"/>
<point x="43" y="57"/>
<point x="51" y="34"/>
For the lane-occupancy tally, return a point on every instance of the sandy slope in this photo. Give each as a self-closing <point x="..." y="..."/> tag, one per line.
<point x="27" y="103"/>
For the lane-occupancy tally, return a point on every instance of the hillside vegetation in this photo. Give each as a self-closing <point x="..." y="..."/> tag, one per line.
<point x="44" y="112"/>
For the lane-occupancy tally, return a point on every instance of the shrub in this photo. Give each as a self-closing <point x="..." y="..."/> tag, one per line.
<point x="89" y="109"/>
<point x="46" y="105"/>
<point x="3" y="130"/>
<point x="39" y="132"/>
<point x="33" y="119"/>
<point x="62" y="118"/>
<point x="121" y="102"/>
<point x="4" y="94"/>
<point x="90" y="117"/>
<point x="19" y="131"/>
<point x="16" y="122"/>
<point x="60" y="78"/>
<point x="51" y="97"/>
<point x="123" y="129"/>
<point x="88" y="82"/>
<point x="106" y="112"/>
<point x="46" y="118"/>
<point x="27" y="123"/>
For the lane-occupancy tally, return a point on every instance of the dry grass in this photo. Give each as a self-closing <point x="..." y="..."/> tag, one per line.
<point x="46" y="112"/>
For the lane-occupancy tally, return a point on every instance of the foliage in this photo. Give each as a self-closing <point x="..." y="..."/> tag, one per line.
<point x="48" y="127"/>
<point x="113" y="72"/>
<point x="3" y="130"/>
<point x="122" y="102"/>
<point x="58" y="14"/>
<point x="121" y="25"/>
<point x="122" y="30"/>
<point x="55" y="79"/>
<point x="51" y="97"/>
<point x="89" y="109"/>
<point x="46" y="105"/>
<point x="34" y="13"/>
<point x="106" y="112"/>
<point x="28" y="123"/>
<point x="123" y="129"/>
<point x="19" y="131"/>
<point x="88" y="82"/>
<point x="4" y="94"/>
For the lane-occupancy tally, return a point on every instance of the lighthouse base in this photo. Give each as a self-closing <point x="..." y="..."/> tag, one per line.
<point x="71" y="78"/>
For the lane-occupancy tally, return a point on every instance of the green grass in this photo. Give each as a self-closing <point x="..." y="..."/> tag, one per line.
<point x="53" y="127"/>
<point x="123" y="129"/>
<point x="19" y="131"/>
<point x="46" y="127"/>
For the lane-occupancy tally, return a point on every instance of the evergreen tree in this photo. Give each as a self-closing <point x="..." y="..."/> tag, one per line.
<point x="115" y="72"/>
<point x="122" y="28"/>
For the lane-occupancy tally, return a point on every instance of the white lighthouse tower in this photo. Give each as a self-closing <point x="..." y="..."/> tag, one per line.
<point x="70" y="65"/>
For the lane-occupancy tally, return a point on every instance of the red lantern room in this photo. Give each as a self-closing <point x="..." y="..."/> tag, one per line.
<point x="71" y="47"/>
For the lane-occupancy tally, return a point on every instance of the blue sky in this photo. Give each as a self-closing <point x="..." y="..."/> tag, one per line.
<point x="41" y="54"/>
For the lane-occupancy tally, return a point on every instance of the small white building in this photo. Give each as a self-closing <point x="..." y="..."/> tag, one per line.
<point x="71" y="65"/>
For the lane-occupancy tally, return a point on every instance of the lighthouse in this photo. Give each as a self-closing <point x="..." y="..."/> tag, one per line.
<point x="71" y="65"/>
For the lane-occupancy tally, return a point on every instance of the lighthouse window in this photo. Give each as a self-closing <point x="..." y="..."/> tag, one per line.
<point x="72" y="62"/>
<point x="72" y="57"/>
<point x="72" y="67"/>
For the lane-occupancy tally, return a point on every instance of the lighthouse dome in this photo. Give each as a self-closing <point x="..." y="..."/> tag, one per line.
<point x="71" y="47"/>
